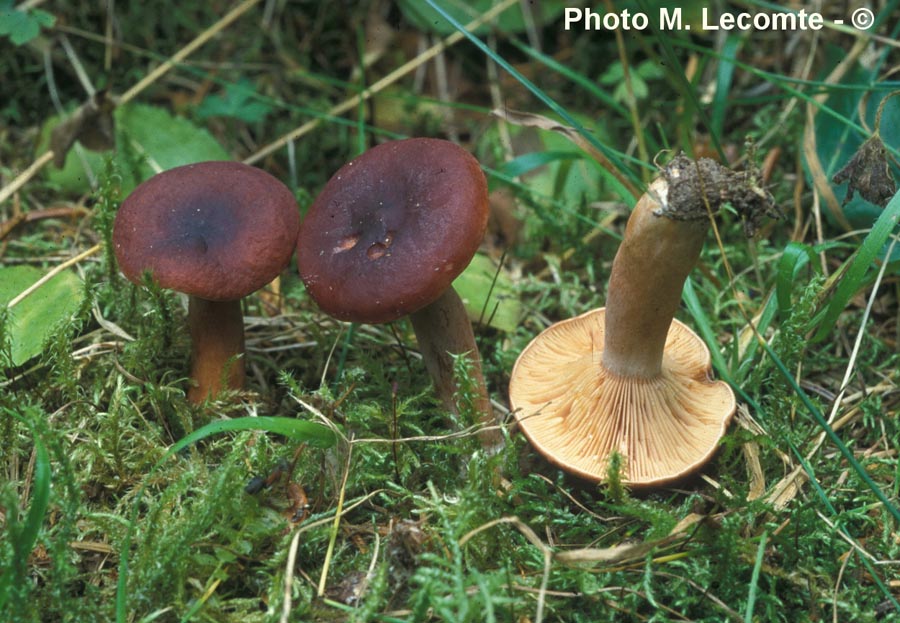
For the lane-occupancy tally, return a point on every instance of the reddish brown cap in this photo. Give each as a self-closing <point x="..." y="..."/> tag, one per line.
<point x="576" y="412"/>
<point x="392" y="229"/>
<point x="216" y="230"/>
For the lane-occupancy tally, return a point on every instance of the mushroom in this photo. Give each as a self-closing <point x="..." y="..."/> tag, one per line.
<point x="629" y="378"/>
<point x="216" y="231"/>
<point x="387" y="236"/>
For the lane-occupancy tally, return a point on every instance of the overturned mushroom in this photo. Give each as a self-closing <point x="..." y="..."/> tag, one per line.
<point x="628" y="378"/>
<point x="387" y="236"/>
<point x="216" y="231"/>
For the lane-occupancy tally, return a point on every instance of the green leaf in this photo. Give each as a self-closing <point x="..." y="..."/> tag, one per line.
<point x="72" y="177"/>
<point x="34" y="319"/>
<point x="164" y="140"/>
<point x="650" y="70"/>
<point x="560" y="169"/>
<point x="489" y="295"/>
<point x="238" y="102"/>
<point x="160" y="139"/>
<point x="614" y="74"/>
<point x="20" y="26"/>
<point x="638" y="89"/>
<point x="43" y="18"/>
<point x="574" y="181"/>
<point x="424" y="17"/>
<point x="527" y="163"/>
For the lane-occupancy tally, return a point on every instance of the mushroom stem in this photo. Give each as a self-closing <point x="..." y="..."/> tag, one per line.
<point x="443" y="329"/>
<point x="217" y="347"/>
<point x="662" y="243"/>
<point x="659" y="250"/>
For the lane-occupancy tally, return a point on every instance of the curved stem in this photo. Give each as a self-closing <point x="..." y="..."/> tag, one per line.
<point x="658" y="252"/>
<point x="443" y="328"/>
<point x="217" y="347"/>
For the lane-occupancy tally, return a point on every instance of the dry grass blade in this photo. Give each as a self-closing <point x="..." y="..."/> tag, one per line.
<point x="532" y="537"/>
<point x="609" y="555"/>
<point x="751" y="453"/>
<point x="820" y="179"/>
<point x="337" y="522"/>
<point x="7" y="191"/>
<point x="618" y="554"/>
<point x="533" y="120"/>
<point x="189" y="49"/>
<point x="20" y="180"/>
<point x="289" y="576"/>
<point x="52" y="273"/>
<point x="379" y="85"/>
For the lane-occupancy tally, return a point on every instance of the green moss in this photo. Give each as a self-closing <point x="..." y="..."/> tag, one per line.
<point x="431" y="528"/>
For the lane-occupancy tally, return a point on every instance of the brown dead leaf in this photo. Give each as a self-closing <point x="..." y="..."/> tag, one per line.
<point x="503" y="224"/>
<point x="869" y="173"/>
<point x="91" y="124"/>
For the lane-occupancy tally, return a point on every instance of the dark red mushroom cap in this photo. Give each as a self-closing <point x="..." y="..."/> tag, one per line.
<point x="216" y="230"/>
<point x="392" y="229"/>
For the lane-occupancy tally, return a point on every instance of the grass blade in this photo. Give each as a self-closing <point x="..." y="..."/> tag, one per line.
<point x="573" y="76"/>
<point x="548" y="101"/>
<point x="724" y="75"/>
<point x="29" y="530"/>
<point x="704" y="327"/>
<point x="859" y="266"/>
<point x="794" y="257"/>
<point x="754" y="578"/>
<point x="40" y="500"/>
<point x="829" y="432"/>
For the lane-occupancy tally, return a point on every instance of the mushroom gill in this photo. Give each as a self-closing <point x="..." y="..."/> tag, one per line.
<point x="577" y="412"/>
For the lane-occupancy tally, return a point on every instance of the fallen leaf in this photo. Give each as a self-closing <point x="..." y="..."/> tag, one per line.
<point x="92" y="124"/>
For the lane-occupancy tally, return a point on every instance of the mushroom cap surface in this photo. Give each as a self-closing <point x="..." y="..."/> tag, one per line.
<point x="392" y="229"/>
<point x="577" y="413"/>
<point x="216" y="230"/>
